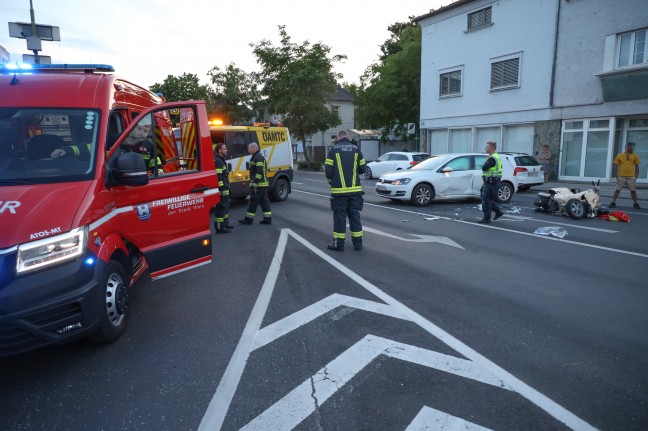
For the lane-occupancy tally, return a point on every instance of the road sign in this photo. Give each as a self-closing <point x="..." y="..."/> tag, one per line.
<point x="23" y="30"/>
<point x="31" y="59"/>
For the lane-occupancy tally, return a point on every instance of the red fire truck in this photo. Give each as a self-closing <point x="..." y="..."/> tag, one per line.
<point x="92" y="195"/>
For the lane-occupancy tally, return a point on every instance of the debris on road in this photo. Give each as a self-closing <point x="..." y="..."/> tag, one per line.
<point x="551" y="230"/>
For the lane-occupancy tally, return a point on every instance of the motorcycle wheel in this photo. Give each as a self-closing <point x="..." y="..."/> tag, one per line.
<point x="575" y="209"/>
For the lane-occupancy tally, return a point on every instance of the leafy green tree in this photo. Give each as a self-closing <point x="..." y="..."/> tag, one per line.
<point x="388" y="96"/>
<point x="298" y="80"/>
<point x="185" y="87"/>
<point x="235" y="93"/>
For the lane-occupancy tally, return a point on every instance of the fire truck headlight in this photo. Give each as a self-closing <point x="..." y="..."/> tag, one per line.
<point x="51" y="251"/>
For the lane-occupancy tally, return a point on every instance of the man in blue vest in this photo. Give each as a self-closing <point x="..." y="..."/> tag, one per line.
<point x="343" y="166"/>
<point x="492" y="175"/>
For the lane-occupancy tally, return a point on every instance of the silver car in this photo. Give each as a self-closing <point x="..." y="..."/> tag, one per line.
<point x="444" y="177"/>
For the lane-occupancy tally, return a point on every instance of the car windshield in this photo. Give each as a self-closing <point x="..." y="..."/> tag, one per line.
<point x="526" y="161"/>
<point x="47" y="145"/>
<point x="432" y="162"/>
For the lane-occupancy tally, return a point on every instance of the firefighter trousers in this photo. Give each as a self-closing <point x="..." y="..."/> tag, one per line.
<point x="347" y="207"/>
<point x="259" y="197"/>
<point x="221" y="215"/>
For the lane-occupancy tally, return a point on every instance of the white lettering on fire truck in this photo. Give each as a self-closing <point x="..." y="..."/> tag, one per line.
<point x="9" y="206"/>
<point x="45" y="233"/>
<point x="178" y="202"/>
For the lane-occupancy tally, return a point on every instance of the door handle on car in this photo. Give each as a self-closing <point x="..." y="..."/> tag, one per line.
<point x="199" y="189"/>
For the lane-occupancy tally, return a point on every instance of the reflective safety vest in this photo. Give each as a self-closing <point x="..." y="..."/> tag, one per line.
<point x="343" y="167"/>
<point x="258" y="170"/>
<point x="494" y="171"/>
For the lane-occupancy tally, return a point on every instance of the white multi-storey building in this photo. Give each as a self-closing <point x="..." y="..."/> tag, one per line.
<point x="565" y="79"/>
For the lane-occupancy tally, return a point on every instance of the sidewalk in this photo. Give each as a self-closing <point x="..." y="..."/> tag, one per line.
<point x="607" y="189"/>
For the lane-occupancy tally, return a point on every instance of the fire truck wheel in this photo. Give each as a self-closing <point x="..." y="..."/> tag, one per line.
<point x="280" y="190"/>
<point x="115" y="318"/>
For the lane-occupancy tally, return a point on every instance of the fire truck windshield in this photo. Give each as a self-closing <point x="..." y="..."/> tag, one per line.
<point x="47" y="145"/>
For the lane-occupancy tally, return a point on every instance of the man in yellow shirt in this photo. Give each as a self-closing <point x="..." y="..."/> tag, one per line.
<point x="626" y="171"/>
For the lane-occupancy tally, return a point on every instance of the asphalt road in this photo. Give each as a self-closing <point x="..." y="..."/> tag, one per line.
<point x="438" y="322"/>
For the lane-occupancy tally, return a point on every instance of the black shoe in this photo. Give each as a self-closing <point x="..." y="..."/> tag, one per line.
<point x="636" y="206"/>
<point x="498" y="215"/>
<point x="229" y="226"/>
<point x="357" y="246"/>
<point x="246" y="221"/>
<point x="223" y="230"/>
<point x="266" y="221"/>
<point x="484" y="221"/>
<point x="612" y="205"/>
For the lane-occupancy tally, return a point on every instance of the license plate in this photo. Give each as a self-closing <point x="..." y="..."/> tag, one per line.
<point x="534" y="174"/>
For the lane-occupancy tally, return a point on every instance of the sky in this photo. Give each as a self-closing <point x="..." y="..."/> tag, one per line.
<point x="147" y="40"/>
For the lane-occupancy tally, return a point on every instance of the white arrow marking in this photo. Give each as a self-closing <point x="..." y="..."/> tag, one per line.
<point x="421" y="238"/>
<point x="302" y="401"/>
<point x="429" y="419"/>
<point x="312" y="312"/>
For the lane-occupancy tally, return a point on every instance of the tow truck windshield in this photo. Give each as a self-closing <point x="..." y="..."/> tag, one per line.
<point x="47" y="145"/>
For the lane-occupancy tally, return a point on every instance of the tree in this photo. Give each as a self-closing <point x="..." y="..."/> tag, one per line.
<point x="298" y="80"/>
<point x="185" y="87"/>
<point x="389" y="93"/>
<point x="235" y="93"/>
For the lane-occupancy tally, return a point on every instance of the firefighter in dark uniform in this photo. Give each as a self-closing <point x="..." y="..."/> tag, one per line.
<point x="258" y="187"/>
<point x="492" y="175"/>
<point x="221" y="215"/>
<point x="343" y="166"/>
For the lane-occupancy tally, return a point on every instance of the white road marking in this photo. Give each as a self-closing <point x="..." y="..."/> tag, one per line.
<point x="295" y="182"/>
<point x="305" y="399"/>
<point x="552" y="222"/>
<point x="429" y="419"/>
<point x="421" y="238"/>
<point x="491" y="226"/>
<point x="220" y="403"/>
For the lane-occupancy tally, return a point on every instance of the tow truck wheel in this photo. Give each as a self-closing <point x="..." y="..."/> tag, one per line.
<point x="280" y="190"/>
<point x="115" y="317"/>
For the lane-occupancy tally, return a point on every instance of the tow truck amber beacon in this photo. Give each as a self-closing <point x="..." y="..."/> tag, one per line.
<point x="94" y="191"/>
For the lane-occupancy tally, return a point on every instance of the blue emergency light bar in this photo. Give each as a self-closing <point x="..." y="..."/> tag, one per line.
<point x="27" y="68"/>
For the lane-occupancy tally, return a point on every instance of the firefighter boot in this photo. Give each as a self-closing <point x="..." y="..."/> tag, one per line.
<point x="337" y="245"/>
<point x="220" y="228"/>
<point x="266" y="220"/>
<point x="246" y="220"/>
<point x="357" y="244"/>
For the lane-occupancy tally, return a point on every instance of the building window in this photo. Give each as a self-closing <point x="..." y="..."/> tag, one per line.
<point x="505" y="73"/>
<point x="450" y="83"/>
<point x="632" y="48"/>
<point x="584" y="150"/>
<point x="479" y="18"/>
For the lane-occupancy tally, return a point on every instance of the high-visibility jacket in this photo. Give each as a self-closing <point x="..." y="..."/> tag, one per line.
<point x="222" y="173"/>
<point x="343" y="166"/>
<point x="258" y="170"/>
<point x="496" y="169"/>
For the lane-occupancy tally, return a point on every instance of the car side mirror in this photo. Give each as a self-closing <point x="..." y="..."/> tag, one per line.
<point x="130" y="170"/>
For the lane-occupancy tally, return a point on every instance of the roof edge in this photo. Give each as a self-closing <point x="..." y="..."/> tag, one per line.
<point x="454" y="5"/>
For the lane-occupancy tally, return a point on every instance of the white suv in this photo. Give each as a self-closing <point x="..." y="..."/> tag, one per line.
<point x="393" y="161"/>
<point x="528" y="171"/>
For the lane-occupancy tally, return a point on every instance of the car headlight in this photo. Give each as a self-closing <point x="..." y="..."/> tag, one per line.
<point x="51" y="251"/>
<point x="401" y="182"/>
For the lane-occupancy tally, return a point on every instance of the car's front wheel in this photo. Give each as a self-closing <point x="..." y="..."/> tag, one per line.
<point x="368" y="173"/>
<point x="422" y="195"/>
<point x="115" y="314"/>
<point x="505" y="192"/>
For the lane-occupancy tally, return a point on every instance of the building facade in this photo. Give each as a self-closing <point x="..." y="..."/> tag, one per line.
<point x="565" y="80"/>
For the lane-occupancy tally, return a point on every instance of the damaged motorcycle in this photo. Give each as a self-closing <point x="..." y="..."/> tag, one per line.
<point x="572" y="202"/>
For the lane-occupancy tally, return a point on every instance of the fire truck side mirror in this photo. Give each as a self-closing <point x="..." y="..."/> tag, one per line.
<point x="130" y="170"/>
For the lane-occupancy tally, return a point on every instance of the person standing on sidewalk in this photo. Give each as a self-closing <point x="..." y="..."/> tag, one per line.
<point x="626" y="171"/>
<point x="258" y="187"/>
<point x="492" y="175"/>
<point x="343" y="166"/>
<point x="221" y="214"/>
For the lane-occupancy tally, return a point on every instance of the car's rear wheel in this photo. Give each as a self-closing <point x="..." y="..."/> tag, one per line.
<point x="280" y="190"/>
<point x="422" y="195"/>
<point x="505" y="192"/>
<point x="575" y="209"/>
<point x="368" y="173"/>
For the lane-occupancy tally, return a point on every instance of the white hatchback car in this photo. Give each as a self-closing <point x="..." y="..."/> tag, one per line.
<point x="528" y="170"/>
<point x="393" y="161"/>
<point x="444" y="177"/>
